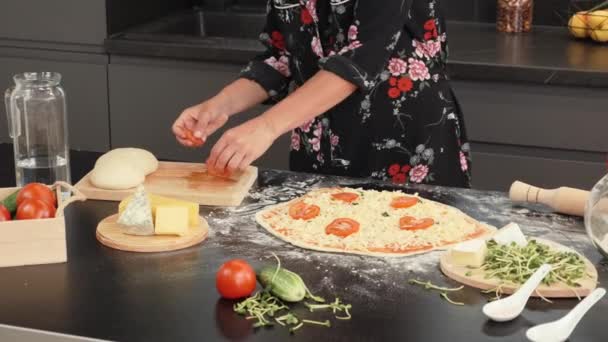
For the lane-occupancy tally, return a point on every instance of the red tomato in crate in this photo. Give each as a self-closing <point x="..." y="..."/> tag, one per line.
<point x="5" y="215"/>
<point x="235" y="279"/>
<point x="34" y="209"/>
<point x="37" y="191"/>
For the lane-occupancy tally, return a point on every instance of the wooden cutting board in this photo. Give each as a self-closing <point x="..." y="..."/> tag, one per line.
<point x="111" y="234"/>
<point x="477" y="280"/>
<point x="186" y="181"/>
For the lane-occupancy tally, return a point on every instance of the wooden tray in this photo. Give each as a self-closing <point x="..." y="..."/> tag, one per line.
<point x="477" y="280"/>
<point x="186" y="181"/>
<point x="111" y="234"/>
<point x="36" y="242"/>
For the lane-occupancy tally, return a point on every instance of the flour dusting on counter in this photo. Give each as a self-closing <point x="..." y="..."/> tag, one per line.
<point x="235" y="232"/>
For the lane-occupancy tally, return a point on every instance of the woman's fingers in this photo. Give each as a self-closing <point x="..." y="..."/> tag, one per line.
<point x="223" y="158"/>
<point x="200" y="128"/>
<point x="235" y="162"/>
<point x="217" y="150"/>
<point x="245" y="162"/>
<point x="185" y="122"/>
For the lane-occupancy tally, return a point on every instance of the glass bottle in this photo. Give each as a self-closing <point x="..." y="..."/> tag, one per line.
<point x="37" y="123"/>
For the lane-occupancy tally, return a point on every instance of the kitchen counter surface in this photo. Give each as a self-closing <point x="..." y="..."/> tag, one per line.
<point x="548" y="55"/>
<point x="109" y="294"/>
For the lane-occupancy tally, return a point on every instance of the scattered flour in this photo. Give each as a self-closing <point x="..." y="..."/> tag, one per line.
<point x="235" y="231"/>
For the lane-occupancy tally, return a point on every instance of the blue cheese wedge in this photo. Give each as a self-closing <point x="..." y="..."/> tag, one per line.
<point x="511" y="233"/>
<point x="137" y="216"/>
<point x="470" y="253"/>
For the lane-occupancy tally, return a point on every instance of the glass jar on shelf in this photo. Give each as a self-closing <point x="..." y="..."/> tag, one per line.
<point x="514" y="16"/>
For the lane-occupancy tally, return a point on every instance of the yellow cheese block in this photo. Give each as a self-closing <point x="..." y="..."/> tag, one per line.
<point x="470" y="253"/>
<point x="171" y="220"/>
<point x="157" y="201"/>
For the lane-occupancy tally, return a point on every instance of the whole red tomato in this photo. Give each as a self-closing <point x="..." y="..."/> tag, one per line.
<point x="36" y="191"/>
<point x="34" y="209"/>
<point x="5" y="215"/>
<point x="235" y="279"/>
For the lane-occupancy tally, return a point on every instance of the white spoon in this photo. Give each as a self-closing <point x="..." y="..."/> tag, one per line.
<point x="561" y="329"/>
<point x="508" y="308"/>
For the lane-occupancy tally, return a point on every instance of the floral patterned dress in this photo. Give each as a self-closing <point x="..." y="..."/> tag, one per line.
<point x="403" y="123"/>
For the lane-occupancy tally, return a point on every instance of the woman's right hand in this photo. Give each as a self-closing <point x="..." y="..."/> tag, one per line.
<point x="196" y="123"/>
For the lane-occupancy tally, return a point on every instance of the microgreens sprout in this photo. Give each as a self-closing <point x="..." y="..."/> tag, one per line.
<point x="514" y="264"/>
<point x="430" y="286"/>
<point x="263" y="306"/>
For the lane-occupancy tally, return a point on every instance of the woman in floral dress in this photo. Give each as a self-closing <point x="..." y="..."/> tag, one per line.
<point x="361" y="85"/>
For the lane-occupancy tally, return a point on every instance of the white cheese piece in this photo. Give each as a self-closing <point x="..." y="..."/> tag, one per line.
<point x="510" y="233"/>
<point x="470" y="253"/>
<point x="137" y="216"/>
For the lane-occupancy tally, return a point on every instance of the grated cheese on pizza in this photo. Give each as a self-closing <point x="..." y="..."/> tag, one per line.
<point x="380" y="232"/>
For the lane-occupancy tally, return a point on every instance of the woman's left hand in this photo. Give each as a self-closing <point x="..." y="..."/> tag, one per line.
<point x="240" y="146"/>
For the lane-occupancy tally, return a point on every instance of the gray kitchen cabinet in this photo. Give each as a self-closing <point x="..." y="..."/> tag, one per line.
<point x="85" y="84"/>
<point x="493" y="171"/>
<point x="62" y="21"/>
<point x="545" y="135"/>
<point x="147" y="95"/>
<point x="569" y="118"/>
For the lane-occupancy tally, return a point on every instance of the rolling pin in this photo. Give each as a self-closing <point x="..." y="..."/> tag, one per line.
<point x="563" y="200"/>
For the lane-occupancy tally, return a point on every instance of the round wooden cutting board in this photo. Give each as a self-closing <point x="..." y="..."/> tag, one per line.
<point x="476" y="278"/>
<point x="111" y="234"/>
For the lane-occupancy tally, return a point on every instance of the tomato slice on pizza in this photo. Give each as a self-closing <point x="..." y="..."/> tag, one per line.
<point x="347" y="197"/>
<point x="342" y="227"/>
<point x="303" y="211"/>
<point x="403" y="202"/>
<point x="412" y="223"/>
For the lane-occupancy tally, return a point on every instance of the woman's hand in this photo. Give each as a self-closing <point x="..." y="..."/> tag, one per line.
<point x="196" y="123"/>
<point x="240" y="146"/>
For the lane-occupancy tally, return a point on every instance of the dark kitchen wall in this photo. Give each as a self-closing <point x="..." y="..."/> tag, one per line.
<point x="122" y="14"/>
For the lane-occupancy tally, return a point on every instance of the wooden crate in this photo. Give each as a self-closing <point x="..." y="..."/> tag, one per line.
<point x="35" y="242"/>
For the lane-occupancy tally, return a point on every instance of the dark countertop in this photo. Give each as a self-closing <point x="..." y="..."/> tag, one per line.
<point x="109" y="294"/>
<point x="548" y="55"/>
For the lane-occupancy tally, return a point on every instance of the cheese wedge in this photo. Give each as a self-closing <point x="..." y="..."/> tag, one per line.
<point x="470" y="253"/>
<point x="509" y="234"/>
<point x="156" y="201"/>
<point x="137" y="214"/>
<point x="171" y="220"/>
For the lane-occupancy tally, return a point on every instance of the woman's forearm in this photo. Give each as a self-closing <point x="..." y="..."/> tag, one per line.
<point x="315" y="97"/>
<point x="239" y="96"/>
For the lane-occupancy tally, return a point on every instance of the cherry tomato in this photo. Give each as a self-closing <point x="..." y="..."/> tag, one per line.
<point x="196" y="142"/>
<point x="303" y="211"/>
<point x="5" y="215"/>
<point x="235" y="279"/>
<point x="412" y="223"/>
<point x="348" y="197"/>
<point x="34" y="209"/>
<point x="342" y="227"/>
<point x="403" y="202"/>
<point x="36" y="191"/>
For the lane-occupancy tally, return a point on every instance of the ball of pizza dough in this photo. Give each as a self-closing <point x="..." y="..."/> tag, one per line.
<point x="123" y="168"/>
<point x="115" y="174"/>
<point x="140" y="158"/>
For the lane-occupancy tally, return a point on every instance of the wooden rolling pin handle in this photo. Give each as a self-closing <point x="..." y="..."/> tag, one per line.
<point x="563" y="200"/>
<point x="522" y="192"/>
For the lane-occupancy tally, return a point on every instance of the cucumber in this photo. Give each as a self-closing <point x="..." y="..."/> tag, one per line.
<point x="286" y="285"/>
<point x="10" y="202"/>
